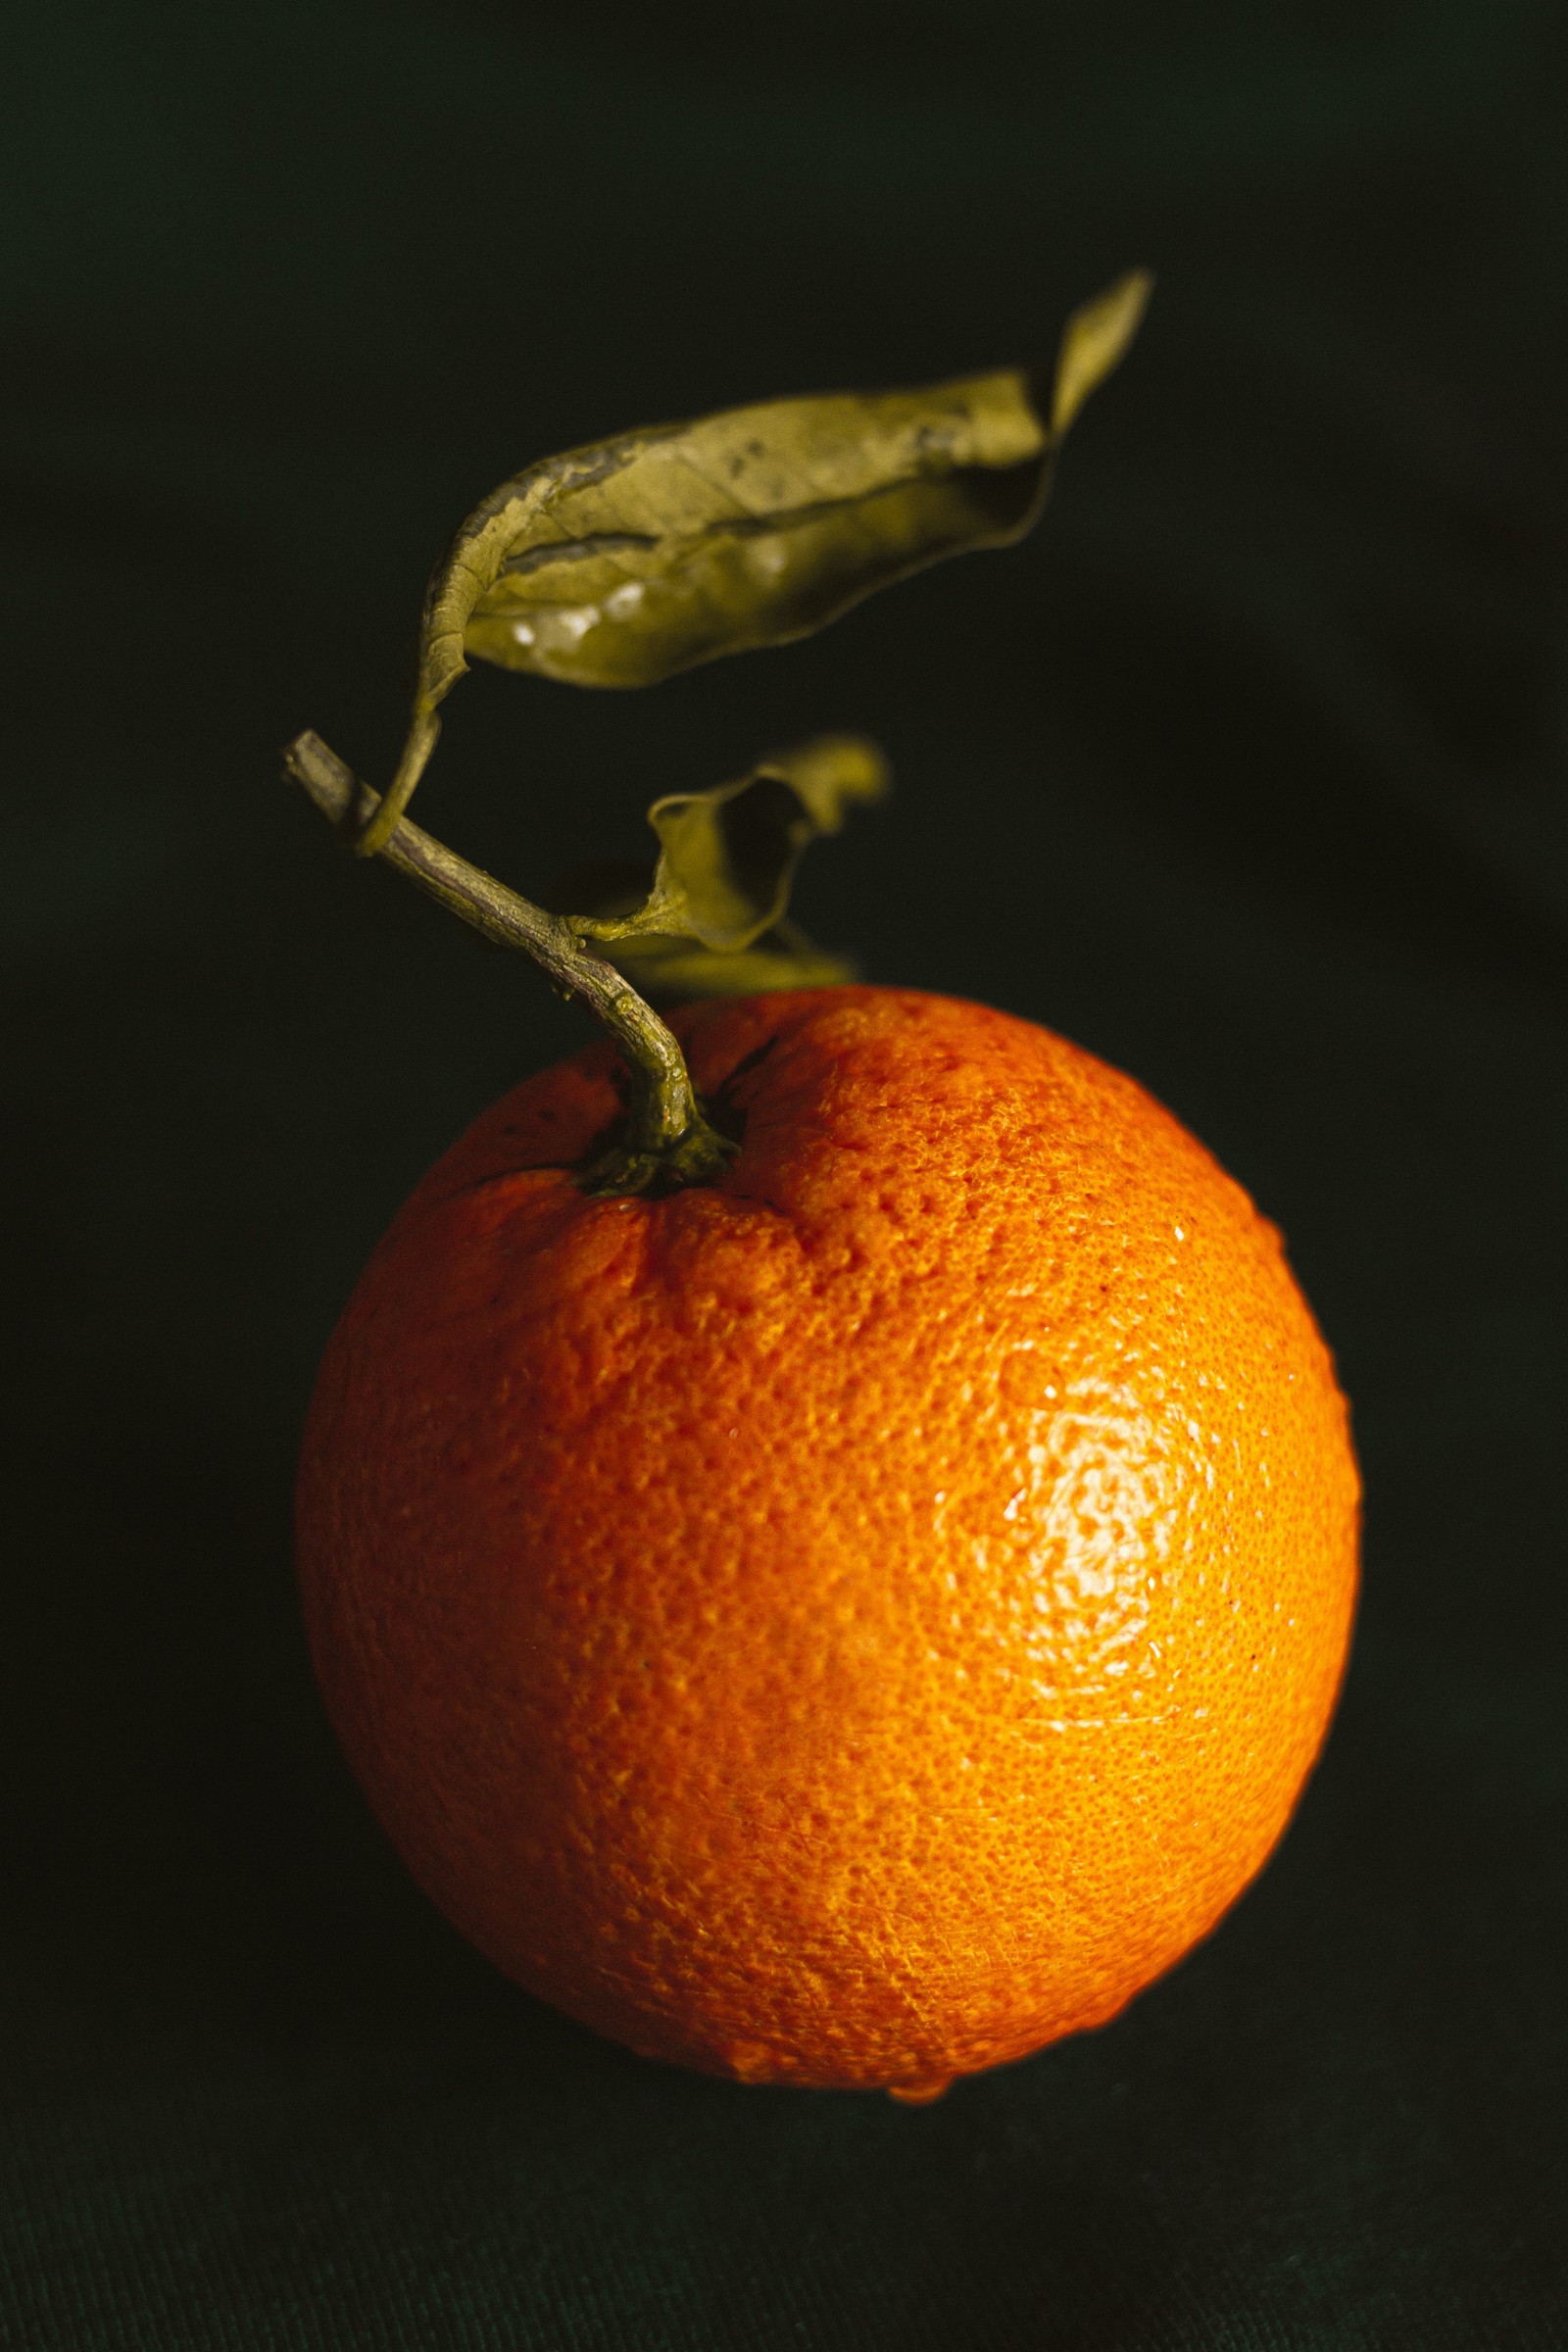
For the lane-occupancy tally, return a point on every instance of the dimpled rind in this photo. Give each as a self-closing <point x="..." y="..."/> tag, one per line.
<point x="856" y="1622"/>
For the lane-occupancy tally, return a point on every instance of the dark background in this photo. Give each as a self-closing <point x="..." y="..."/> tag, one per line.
<point x="1248" y="772"/>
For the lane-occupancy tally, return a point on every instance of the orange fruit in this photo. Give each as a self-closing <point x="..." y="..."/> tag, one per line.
<point x="856" y="1621"/>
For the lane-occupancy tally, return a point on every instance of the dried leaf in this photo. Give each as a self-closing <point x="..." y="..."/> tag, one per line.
<point x="709" y="920"/>
<point x="622" y="563"/>
<point x="727" y="856"/>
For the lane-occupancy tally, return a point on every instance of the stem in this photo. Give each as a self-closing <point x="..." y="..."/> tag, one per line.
<point x="667" y="1142"/>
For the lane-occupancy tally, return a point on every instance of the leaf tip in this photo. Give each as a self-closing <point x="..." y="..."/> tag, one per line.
<point x="1094" y="341"/>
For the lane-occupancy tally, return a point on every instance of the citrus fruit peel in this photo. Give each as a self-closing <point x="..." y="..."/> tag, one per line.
<point x="859" y="1619"/>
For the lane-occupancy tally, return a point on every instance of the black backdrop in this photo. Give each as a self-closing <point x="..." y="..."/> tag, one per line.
<point x="1248" y="772"/>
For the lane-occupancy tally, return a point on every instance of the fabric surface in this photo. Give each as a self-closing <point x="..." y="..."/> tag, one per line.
<point x="1247" y="771"/>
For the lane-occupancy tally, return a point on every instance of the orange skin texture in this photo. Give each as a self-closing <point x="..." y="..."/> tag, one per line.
<point x="858" y="1621"/>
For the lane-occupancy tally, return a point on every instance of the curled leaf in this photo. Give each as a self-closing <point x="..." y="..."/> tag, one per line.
<point x="727" y="856"/>
<point x="710" y="919"/>
<point x="622" y="563"/>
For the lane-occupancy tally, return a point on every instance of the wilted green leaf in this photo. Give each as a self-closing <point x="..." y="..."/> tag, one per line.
<point x="727" y="856"/>
<point x="709" y="920"/>
<point x="620" y="563"/>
